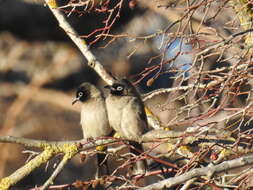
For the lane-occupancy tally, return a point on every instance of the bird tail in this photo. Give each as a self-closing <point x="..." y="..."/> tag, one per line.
<point x="140" y="166"/>
<point x="102" y="165"/>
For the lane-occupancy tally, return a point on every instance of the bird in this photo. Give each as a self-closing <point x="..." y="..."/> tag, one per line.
<point x="127" y="117"/>
<point x="94" y="119"/>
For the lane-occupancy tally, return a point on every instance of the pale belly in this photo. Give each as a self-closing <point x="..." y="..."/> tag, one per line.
<point x="94" y="122"/>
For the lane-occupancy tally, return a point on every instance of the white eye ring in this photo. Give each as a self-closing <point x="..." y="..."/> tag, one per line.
<point x="80" y="94"/>
<point x="119" y="88"/>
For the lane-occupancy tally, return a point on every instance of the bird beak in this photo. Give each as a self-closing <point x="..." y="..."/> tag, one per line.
<point x="75" y="100"/>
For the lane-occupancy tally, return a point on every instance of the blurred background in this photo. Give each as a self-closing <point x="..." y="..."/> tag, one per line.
<point x="40" y="68"/>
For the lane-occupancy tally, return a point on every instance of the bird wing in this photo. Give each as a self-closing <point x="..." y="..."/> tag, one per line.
<point x="134" y="120"/>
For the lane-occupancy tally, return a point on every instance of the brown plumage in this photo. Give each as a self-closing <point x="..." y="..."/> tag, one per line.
<point x="127" y="116"/>
<point x="94" y="120"/>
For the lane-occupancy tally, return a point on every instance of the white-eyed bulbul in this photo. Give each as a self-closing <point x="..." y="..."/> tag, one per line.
<point x="127" y="117"/>
<point x="94" y="119"/>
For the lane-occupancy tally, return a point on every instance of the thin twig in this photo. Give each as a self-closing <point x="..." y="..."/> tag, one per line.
<point x="80" y="43"/>
<point x="167" y="183"/>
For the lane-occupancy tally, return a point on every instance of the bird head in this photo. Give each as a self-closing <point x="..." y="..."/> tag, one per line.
<point x="116" y="89"/>
<point x="82" y="93"/>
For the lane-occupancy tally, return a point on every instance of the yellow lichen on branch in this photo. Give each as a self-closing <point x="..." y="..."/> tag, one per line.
<point x="19" y="174"/>
<point x="52" y="3"/>
<point x="50" y="150"/>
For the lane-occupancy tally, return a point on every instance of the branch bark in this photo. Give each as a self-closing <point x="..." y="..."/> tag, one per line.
<point x="207" y="171"/>
<point x="80" y="43"/>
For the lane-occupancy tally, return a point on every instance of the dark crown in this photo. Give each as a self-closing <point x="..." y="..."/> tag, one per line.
<point x="82" y="93"/>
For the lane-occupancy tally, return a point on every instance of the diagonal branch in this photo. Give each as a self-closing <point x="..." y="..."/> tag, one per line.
<point x="56" y="172"/>
<point x="206" y="171"/>
<point x="80" y="43"/>
<point x="22" y="172"/>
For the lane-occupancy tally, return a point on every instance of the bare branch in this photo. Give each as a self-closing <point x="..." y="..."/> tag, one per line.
<point x="80" y="43"/>
<point x="227" y="165"/>
<point x="56" y="172"/>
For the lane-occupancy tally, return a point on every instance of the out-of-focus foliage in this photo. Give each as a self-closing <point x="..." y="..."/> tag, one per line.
<point x="195" y="44"/>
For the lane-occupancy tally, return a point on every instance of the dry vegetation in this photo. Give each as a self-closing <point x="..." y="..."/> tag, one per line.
<point x="191" y="60"/>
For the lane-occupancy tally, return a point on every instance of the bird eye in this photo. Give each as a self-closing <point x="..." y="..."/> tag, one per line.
<point x="80" y="94"/>
<point x="119" y="88"/>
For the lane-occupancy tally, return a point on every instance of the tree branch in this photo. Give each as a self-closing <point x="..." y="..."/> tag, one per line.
<point x="206" y="171"/>
<point x="80" y="43"/>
